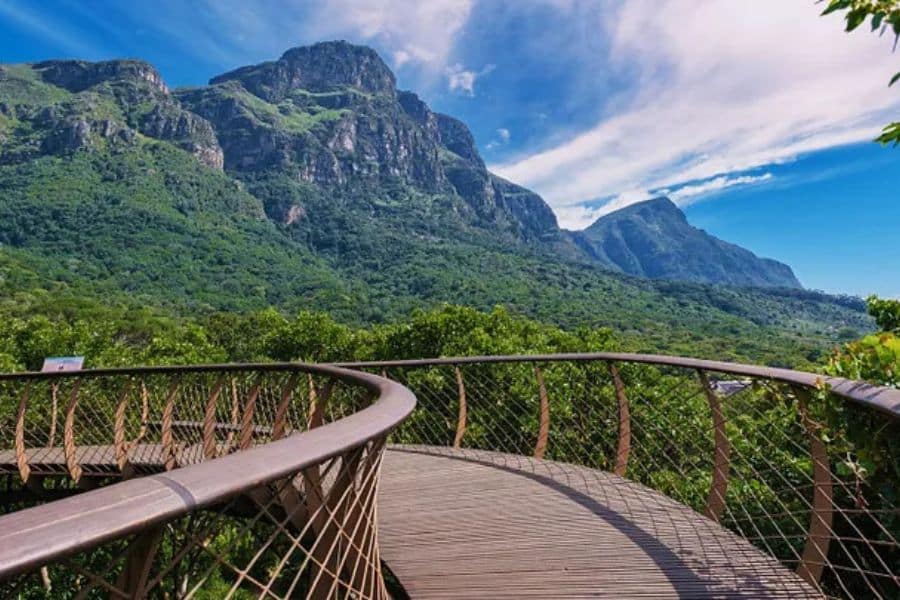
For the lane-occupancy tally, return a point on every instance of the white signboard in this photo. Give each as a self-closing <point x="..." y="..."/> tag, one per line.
<point x="54" y="364"/>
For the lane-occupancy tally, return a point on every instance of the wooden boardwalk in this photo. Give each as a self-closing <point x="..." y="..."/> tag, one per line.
<point x="472" y="524"/>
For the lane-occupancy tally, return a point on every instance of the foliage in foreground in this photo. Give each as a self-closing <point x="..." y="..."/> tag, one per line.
<point x="883" y="15"/>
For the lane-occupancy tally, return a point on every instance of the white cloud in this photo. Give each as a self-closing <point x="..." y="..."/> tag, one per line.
<point x="409" y="30"/>
<point x="579" y="216"/>
<point x="401" y="57"/>
<point x="716" y="91"/>
<point x="460" y="79"/>
<point x="690" y="193"/>
<point x="503" y="135"/>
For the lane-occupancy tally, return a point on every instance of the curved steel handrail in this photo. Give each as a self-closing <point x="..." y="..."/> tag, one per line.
<point x="32" y="537"/>
<point x="884" y="399"/>
<point x="809" y="503"/>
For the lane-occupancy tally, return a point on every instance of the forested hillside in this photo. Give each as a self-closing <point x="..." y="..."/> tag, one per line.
<point x="312" y="183"/>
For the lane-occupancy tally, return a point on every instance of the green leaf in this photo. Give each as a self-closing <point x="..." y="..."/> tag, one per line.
<point x="855" y="18"/>
<point x="890" y="134"/>
<point x="894" y="79"/>
<point x="876" y="20"/>
<point x="835" y="5"/>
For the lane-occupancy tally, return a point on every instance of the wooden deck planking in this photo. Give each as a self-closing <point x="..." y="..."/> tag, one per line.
<point x="472" y="524"/>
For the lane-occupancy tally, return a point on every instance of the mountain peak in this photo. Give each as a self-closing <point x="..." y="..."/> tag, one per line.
<point x="656" y="208"/>
<point x="322" y="67"/>
<point x="654" y="239"/>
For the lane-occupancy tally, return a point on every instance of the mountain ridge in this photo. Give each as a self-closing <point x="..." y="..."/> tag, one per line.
<point x="348" y="197"/>
<point x="654" y="239"/>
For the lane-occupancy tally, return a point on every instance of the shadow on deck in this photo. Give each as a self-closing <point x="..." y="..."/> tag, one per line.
<point x="473" y="524"/>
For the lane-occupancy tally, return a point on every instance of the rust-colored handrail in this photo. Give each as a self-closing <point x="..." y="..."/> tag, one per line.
<point x="651" y="425"/>
<point x="791" y="497"/>
<point x="50" y="532"/>
<point x="884" y="399"/>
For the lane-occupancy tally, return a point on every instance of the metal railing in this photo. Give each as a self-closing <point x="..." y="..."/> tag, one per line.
<point x="203" y="488"/>
<point x="260" y="480"/>
<point x="803" y="466"/>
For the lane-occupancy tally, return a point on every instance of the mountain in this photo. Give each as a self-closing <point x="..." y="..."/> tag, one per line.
<point x="311" y="181"/>
<point x="654" y="239"/>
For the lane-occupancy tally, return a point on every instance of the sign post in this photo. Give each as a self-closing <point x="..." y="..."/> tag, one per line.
<point x="55" y="364"/>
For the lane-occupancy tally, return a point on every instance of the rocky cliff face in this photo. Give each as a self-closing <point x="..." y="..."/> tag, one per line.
<point x="654" y="239"/>
<point x="57" y="107"/>
<point x="330" y="115"/>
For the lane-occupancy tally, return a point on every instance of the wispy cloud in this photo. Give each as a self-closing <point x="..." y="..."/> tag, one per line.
<point x="232" y="33"/>
<point x="462" y="80"/>
<point x="502" y="139"/>
<point x="412" y="33"/>
<point x="715" y="92"/>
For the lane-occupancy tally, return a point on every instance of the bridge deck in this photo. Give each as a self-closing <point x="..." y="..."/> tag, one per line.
<point x="475" y="524"/>
<point x="471" y="524"/>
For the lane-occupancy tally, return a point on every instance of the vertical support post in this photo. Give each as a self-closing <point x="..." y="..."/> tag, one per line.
<point x="279" y="426"/>
<point x="69" y="435"/>
<point x="818" y="539"/>
<point x="361" y="521"/>
<point x="318" y="400"/>
<point x="329" y="546"/>
<point x="715" y="502"/>
<point x="119" y="430"/>
<point x="623" y="449"/>
<point x="463" y="409"/>
<point x="312" y="477"/>
<point x="145" y="411"/>
<point x="235" y="416"/>
<point x="54" y="409"/>
<point x="209" y="420"/>
<point x="168" y="437"/>
<point x="138" y="562"/>
<point x="247" y="418"/>
<point x="21" y="455"/>
<point x="540" y="446"/>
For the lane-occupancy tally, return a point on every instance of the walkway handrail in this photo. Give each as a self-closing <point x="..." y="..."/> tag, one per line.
<point x="884" y="399"/>
<point x="763" y="451"/>
<point x="51" y="532"/>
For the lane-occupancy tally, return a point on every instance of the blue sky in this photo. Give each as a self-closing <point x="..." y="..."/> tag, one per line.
<point x="755" y="117"/>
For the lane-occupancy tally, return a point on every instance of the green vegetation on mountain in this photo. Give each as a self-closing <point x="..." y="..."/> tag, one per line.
<point x="311" y="183"/>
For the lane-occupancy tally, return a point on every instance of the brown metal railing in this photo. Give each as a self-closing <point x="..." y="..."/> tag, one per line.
<point x="804" y="466"/>
<point x="203" y="490"/>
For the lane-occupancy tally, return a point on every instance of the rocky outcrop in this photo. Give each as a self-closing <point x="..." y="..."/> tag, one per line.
<point x="168" y="121"/>
<point x="78" y="75"/>
<point x="333" y="148"/>
<point x="111" y="102"/>
<point x="457" y="138"/>
<point x="322" y="67"/>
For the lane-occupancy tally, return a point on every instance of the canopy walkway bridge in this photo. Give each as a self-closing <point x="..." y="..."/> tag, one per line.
<point x="558" y="476"/>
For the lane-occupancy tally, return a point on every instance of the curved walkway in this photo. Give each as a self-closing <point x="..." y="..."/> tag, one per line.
<point x="474" y="524"/>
